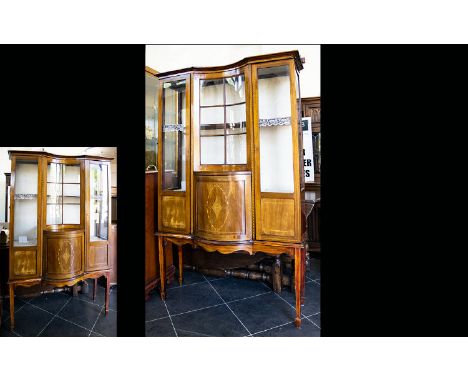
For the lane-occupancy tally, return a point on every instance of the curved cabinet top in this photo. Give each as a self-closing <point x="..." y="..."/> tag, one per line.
<point x="55" y="156"/>
<point x="294" y="54"/>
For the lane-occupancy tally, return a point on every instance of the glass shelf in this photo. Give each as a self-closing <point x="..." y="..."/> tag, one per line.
<point x="25" y="196"/>
<point x="29" y="243"/>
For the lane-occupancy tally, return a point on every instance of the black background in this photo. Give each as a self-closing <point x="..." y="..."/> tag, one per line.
<point x="390" y="221"/>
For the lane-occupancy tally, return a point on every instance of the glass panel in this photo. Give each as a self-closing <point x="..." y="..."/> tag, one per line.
<point x="54" y="213"/>
<point x="54" y="193"/>
<point x="212" y="149"/>
<point x="235" y="89"/>
<point x="211" y="92"/>
<point x="276" y="148"/>
<point x="236" y="149"/>
<point x="212" y="135"/>
<point x="71" y="213"/>
<point x="25" y="220"/>
<point x="211" y="116"/>
<point x="54" y="172"/>
<point x="235" y="119"/>
<point x="151" y="121"/>
<point x="174" y="135"/>
<point x="71" y="190"/>
<point x="63" y="189"/>
<point x="99" y="202"/>
<point x="71" y="173"/>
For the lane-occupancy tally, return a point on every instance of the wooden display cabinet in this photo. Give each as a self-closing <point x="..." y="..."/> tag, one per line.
<point x="59" y="220"/>
<point x="230" y="171"/>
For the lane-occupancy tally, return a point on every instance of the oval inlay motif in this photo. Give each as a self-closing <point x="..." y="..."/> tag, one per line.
<point x="65" y="255"/>
<point x="217" y="207"/>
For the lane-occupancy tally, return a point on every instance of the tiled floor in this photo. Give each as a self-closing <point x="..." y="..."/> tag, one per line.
<point x="220" y="307"/>
<point x="61" y="315"/>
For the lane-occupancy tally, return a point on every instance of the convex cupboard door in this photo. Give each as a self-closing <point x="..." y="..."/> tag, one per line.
<point x="98" y="216"/>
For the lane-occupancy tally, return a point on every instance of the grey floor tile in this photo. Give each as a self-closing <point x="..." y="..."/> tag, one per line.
<point x="315" y="319"/>
<point x="307" y="329"/>
<point x="160" y="328"/>
<point x="52" y="302"/>
<point x="180" y="300"/>
<point x="217" y="321"/>
<point x="81" y="313"/>
<point x="155" y="308"/>
<point x="30" y="320"/>
<point x="189" y="278"/>
<point x="62" y="328"/>
<point x="106" y="324"/>
<point x="233" y="288"/>
<point x="311" y="298"/>
<point x="263" y="312"/>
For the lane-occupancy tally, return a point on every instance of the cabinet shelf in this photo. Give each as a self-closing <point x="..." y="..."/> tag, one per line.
<point x="272" y="122"/>
<point x="25" y="196"/>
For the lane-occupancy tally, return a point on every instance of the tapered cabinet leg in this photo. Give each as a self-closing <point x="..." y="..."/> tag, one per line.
<point x="94" y="289"/>
<point x="107" y="290"/>
<point x="162" y="268"/>
<point x="181" y="265"/>
<point x="12" y="306"/>
<point x="298" y="275"/>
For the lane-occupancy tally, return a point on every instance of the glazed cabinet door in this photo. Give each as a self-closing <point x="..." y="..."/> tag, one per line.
<point x="97" y="215"/>
<point x="174" y="155"/>
<point x="277" y="156"/>
<point x="25" y="223"/>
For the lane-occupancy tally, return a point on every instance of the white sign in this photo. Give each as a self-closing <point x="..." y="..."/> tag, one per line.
<point x="308" y="151"/>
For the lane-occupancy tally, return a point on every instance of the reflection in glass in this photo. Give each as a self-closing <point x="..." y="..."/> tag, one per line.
<point x="236" y="149"/>
<point x="151" y="121"/>
<point x="211" y="92"/>
<point x="99" y="202"/>
<point x="235" y="89"/>
<point x="235" y="119"/>
<point x="25" y="199"/>
<point x="276" y="149"/>
<point x="174" y="134"/>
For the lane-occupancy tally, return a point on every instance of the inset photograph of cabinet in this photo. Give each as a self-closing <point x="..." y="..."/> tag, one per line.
<point x="60" y="260"/>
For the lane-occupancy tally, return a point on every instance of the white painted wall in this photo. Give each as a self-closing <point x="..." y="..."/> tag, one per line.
<point x="171" y="57"/>
<point x="5" y="163"/>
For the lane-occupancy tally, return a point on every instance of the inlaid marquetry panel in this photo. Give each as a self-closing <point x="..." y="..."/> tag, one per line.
<point x="64" y="254"/>
<point x="173" y="212"/>
<point x="223" y="207"/>
<point x="277" y="217"/>
<point x="24" y="263"/>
